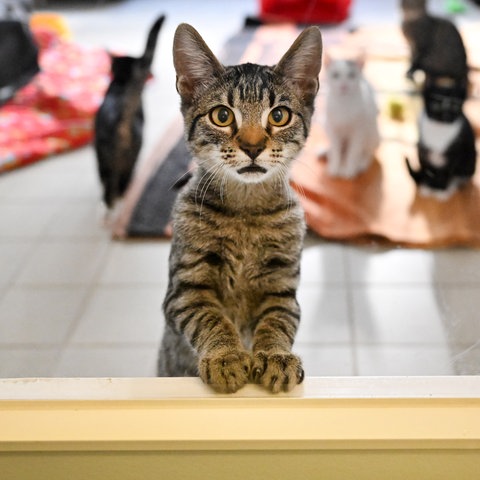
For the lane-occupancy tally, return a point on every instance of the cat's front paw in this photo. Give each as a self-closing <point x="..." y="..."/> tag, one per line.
<point x="225" y="372"/>
<point x="277" y="371"/>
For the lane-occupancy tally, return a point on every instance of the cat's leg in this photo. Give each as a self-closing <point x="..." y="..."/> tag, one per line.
<point x="196" y="314"/>
<point x="360" y="153"/>
<point x="355" y="155"/>
<point x="274" y="365"/>
<point x="371" y="145"/>
<point x="444" y="195"/>
<point x="334" y="156"/>
<point x="176" y="358"/>
<point x="425" y="190"/>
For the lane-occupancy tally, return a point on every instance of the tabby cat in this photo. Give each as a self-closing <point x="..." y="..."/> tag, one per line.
<point x="119" y="120"/>
<point x="231" y="309"/>
<point x="436" y="45"/>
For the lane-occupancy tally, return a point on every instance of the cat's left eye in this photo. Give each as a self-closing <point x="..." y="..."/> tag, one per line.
<point x="222" y="116"/>
<point x="279" y="116"/>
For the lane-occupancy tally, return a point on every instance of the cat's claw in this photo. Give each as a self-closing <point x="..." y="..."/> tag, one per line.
<point x="226" y="372"/>
<point x="277" y="371"/>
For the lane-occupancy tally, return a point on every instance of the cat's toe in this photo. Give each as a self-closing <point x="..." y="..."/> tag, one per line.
<point x="278" y="371"/>
<point x="226" y="372"/>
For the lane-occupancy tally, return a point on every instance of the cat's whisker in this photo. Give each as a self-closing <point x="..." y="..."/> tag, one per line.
<point x="223" y="183"/>
<point x="181" y="178"/>
<point x="300" y="191"/>
<point x="212" y="172"/>
<point x="201" y="184"/>
<point x="288" y="188"/>
<point x="305" y="164"/>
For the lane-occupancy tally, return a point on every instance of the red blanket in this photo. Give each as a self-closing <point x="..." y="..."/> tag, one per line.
<point x="55" y="111"/>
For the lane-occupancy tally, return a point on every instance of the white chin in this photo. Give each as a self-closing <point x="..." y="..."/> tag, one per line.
<point x="253" y="177"/>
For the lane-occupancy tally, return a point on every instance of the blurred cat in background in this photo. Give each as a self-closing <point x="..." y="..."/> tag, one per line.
<point x="446" y="147"/>
<point x="351" y="118"/>
<point x="119" y="120"/>
<point x="435" y="43"/>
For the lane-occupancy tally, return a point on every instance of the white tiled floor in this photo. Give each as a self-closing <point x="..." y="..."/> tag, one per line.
<point x="73" y="302"/>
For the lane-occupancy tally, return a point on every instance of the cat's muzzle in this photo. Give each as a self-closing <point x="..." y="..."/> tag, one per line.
<point x="252" y="168"/>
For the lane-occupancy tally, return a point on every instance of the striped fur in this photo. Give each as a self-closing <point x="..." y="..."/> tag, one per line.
<point x="231" y="309"/>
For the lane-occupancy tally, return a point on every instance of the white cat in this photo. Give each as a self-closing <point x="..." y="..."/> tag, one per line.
<point x="351" y="119"/>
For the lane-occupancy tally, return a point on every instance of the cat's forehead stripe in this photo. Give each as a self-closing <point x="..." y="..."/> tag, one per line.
<point x="230" y="98"/>
<point x="250" y="83"/>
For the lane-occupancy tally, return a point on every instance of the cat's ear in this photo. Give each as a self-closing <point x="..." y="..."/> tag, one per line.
<point x="303" y="61"/>
<point x="194" y="62"/>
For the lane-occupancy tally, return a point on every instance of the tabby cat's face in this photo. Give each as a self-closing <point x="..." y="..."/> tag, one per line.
<point x="248" y="125"/>
<point x="245" y="122"/>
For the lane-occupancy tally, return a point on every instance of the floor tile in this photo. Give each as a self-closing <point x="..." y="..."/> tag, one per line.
<point x="457" y="266"/>
<point x="460" y="306"/>
<point x="137" y="262"/>
<point x="398" y="265"/>
<point x="322" y="262"/>
<point x="39" y="315"/>
<point x="79" y="162"/>
<point x="466" y="359"/>
<point x="403" y="360"/>
<point x="63" y="263"/>
<point x="26" y="220"/>
<point x="325" y="314"/>
<point x="325" y="360"/>
<point x="27" y="362"/>
<point x="84" y="220"/>
<point x="51" y="186"/>
<point x="122" y="315"/>
<point x="13" y="255"/>
<point x="397" y="315"/>
<point x="107" y="362"/>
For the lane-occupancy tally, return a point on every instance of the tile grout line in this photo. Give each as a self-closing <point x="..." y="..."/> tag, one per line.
<point x="350" y="311"/>
<point x="89" y="293"/>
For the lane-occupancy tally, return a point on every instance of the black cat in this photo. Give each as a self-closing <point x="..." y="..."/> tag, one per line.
<point x="119" y="120"/>
<point x="435" y="43"/>
<point x="446" y="147"/>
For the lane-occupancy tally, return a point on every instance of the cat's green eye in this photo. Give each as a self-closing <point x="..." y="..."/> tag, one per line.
<point x="279" y="116"/>
<point x="222" y="116"/>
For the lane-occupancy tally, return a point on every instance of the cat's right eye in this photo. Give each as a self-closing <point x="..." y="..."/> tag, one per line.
<point x="222" y="116"/>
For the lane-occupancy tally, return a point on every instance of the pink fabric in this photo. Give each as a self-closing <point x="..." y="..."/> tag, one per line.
<point x="55" y="111"/>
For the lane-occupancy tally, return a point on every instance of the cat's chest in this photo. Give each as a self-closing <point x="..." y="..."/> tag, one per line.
<point x="350" y="108"/>
<point x="250" y="246"/>
<point x="438" y="136"/>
